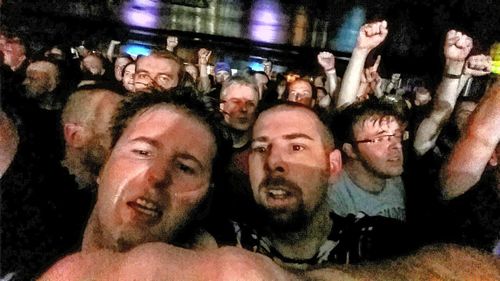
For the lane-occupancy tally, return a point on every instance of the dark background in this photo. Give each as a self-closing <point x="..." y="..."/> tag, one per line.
<point x="413" y="46"/>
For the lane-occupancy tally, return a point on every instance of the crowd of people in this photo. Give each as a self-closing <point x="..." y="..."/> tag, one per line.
<point x="115" y="167"/>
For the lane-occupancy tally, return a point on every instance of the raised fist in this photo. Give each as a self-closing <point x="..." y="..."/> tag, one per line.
<point x="203" y="55"/>
<point x="326" y="60"/>
<point x="457" y="45"/>
<point x="478" y="65"/>
<point x="371" y="35"/>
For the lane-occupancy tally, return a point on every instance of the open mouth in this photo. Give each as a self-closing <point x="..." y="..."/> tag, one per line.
<point x="149" y="209"/>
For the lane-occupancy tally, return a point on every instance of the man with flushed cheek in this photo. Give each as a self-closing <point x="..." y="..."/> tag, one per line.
<point x="292" y="160"/>
<point x="160" y="70"/>
<point x="153" y="183"/>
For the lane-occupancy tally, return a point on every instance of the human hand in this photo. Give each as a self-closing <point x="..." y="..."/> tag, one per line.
<point x="203" y="56"/>
<point x="115" y="42"/>
<point x="478" y="65"/>
<point x="457" y="46"/>
<point x="326" y="60"/>
<point x="172" y="42"/>
<point x="371" y="35"/>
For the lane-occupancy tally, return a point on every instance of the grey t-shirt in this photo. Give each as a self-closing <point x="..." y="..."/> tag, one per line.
<point x="345" y="197"/>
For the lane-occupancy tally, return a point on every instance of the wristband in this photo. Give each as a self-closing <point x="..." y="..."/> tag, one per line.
<point x="331" y="71"/>
<point x="452" y="76"/>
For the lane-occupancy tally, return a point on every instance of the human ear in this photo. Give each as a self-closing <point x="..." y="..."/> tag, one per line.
<point x="493" y="160"/>
<point x="74" y="135"/>
<point x="349" y="151"/>
<point x="335" y="161"/>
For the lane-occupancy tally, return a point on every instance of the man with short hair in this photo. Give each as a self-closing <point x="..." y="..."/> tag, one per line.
<point x="239" y="98"/>
<point x="161" y="69"/>
<point x="301" y="91"/>
<point x="41" y="82"/>
<point x="293" y="157"/>
<point x="86" y="119"/>
<point x="371" y="134"/>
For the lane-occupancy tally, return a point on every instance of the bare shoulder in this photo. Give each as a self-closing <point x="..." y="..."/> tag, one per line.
<point x="68" y="268"/>
<point x="238" y="264"/>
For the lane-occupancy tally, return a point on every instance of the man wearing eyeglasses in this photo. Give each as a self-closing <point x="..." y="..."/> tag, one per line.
<point x="371" y="134"/>
<point x="160" y="70"/>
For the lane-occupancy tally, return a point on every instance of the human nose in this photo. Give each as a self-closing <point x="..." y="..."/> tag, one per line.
<point x="275" y="163"/>
<point x="158" y="174"/>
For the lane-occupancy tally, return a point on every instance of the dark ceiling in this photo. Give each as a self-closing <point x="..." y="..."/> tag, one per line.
<point x="285" y="30"/>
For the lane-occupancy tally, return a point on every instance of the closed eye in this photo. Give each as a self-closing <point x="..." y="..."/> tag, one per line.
<point x="185" y="168"/>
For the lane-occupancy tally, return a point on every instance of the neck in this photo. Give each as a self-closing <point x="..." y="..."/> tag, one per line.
<point x="364" y="178"/>
<point x="93" y="238"/>
<point x="304" y="243"/>
<point x="240" y="138"/>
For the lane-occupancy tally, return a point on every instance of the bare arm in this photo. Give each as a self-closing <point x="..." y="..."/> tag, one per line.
<point x="456" y="49"/>
<point x="474" y="149"/>
<point x="370" y="36"/>
<point x="327" y="62"/>
<point x="111" y="49"/>
<point x="204" y="81"/>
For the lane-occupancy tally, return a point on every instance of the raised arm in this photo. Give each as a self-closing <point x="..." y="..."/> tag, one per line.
<point x="474" y="149"/>
<point x="204" y="83"/>
<point x="456" y="49"/>
<point x="327" y="62"/>
<point x="370" y="36"/>
<point x="172" y="42"/>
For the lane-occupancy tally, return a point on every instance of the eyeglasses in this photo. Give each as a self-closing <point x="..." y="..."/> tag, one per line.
<point x="160" y="81"/>
<point x="385" y="138"/>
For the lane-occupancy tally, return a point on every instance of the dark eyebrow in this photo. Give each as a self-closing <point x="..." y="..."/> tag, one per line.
<point x="147" y="140"/>
<point x="297" y="136"/>
<point x="188" y="156"/>
<point x="286" y="137"/>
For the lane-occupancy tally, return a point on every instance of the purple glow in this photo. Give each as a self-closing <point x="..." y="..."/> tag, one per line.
<point x="265" y="21"/>
<point x="143" y="13"/>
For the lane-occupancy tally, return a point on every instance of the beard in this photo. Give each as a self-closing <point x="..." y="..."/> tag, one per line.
<point x="284" y="219"/>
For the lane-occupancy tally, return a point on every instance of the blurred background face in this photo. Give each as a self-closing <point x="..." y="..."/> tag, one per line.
<point x="14" y="52"/>
<point x="93" y="64"/>
<point x="238" y="106"/>
<point x="128" y="78"/>
<point x="192" y="70"/>
<point x="119" y="65"/>
<point x="221" y="76"/>
<point x="301" y="92"/>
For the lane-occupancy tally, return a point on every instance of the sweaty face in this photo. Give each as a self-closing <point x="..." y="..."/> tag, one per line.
<point x="128" y="78"/>
<point x="289" y="165"/>
<point x="383" y="154"/>
<point x="153" y="71"/>
<point x="300" y="92"/>
<point x="119" y="65"/>
<point x="155" y="178"/>
<point x="238" y="106"/>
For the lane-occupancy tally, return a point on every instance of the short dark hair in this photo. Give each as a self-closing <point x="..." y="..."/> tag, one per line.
<point x="342" y="122"/>
<point x="323" y="119"/>
<point x="171" y="56"/>
<point x="202" y="108"/>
